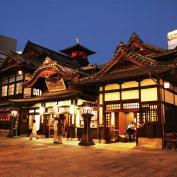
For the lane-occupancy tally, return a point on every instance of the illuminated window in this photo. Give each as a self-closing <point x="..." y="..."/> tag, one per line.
<point x="149" y="113"/>
<point x="4" y="90"/>
<point x="10" y="83"/>
<point x="18" y="88"/>
<point x="113" y="106"/>
<point x="130" y="105"/>
<point x="108" y="119"/>
<point x="11" y="89"/>
<point x="37" y="92"/>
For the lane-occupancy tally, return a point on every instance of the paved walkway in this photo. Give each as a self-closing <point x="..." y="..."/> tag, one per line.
<point x="20" y="157"/>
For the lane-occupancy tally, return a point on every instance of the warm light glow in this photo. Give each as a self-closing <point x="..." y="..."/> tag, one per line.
<point x="112" y="118"/>
<point x="55" y="107"/>
<point x="20" y="72"/>
<point x="149" y="94"/>
<point x="87" y="109"/>
<point x="71" y="109"/>
<point x="112" y="96"/>
<point x="111" y="87"/>
<point x="14" y="113"/>
<point x="132" y="94"/>
<point x="166" y="85"/>
<point x="100" y="115"/>
<point x="41" y="111"/>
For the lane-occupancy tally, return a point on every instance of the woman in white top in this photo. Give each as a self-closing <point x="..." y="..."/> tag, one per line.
<point x="33" y="133"/>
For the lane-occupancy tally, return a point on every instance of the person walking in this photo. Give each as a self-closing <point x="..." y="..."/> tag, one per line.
<point x="55" y="127"/>
<point x="33" y="133"/>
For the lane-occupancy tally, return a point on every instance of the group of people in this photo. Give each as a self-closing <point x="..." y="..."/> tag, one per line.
<point x="58" y="130"/>
<point x="130" y="132"/>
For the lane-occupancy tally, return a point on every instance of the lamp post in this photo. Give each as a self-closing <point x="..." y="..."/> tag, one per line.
<point x="14" y="123"/>
<point x="86" y="139"/>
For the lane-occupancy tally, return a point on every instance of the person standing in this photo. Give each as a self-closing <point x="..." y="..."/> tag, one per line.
<point x="60" y="131"/>
<point x="55" y="127"/>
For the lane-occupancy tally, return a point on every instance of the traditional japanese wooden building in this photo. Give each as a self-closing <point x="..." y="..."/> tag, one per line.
<point x="139" y="84"/>
<point x="38" y="84"/>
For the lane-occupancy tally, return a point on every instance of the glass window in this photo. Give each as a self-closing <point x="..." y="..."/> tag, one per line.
<point x="11" y="89"/>
<point x="4" y="90"/>
<point x="149" y="113"/>
<point x="18" y="88"/>
<point x="37" y="92"/>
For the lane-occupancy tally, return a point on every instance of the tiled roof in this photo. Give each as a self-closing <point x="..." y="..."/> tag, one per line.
<point x="77" y="47"/>
<point x="145" y="66"/>
<point x="135" y="37"/>
<point x="60" y="57"/>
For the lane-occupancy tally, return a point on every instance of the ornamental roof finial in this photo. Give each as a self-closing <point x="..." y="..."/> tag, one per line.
<point x="77" y="41"/>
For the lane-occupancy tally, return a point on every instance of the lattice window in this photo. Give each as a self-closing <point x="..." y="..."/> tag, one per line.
<point x="10" y="82"/>
<point x="149" y="113"/>
<point x="18" y="88"/>
<point x="130" y="105"/>
<point x="113" y="106"/>
<point x="4" y="90"/>
<point x="108" y="119"/>
<point x="37" y="92"/>
<point x="11" y="89"/>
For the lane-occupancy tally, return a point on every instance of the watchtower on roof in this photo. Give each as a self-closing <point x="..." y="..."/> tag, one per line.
<point x="78" y="52"/>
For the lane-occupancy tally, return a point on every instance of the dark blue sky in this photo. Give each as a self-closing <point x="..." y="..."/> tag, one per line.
<point x="99" y="24"/>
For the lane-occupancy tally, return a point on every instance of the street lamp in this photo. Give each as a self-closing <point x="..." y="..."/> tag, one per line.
<point x="14" y="113"/>
<point x="166" y="85"/>
<point x="86" y="111"/>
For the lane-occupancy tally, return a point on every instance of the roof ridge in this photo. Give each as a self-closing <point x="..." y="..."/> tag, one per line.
<point x="135" y="37"/>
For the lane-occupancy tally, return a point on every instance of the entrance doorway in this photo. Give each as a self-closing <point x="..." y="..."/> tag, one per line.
<point x="116" y="124"/>
<point x="125" y="118"/>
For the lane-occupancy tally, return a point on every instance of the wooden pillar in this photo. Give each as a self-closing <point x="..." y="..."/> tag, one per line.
<point x="160" y="109"/>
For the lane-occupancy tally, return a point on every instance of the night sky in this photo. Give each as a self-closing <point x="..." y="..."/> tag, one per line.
<point x="99" y="24"/>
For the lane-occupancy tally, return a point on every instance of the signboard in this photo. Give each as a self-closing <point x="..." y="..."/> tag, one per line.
<point x="55" y="84"/>
<point x="172" y="39"/>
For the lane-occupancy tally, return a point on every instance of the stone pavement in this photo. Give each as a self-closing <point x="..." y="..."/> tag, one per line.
<point x="20" y="157"/>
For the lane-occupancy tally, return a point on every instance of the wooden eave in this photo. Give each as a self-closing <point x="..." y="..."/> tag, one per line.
<point x="148" y="70"/>
<point x="18" y="60"/>
<point x="54" y="96"/>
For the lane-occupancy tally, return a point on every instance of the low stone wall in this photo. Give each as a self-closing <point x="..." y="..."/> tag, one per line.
<point x="150" y="142"/>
